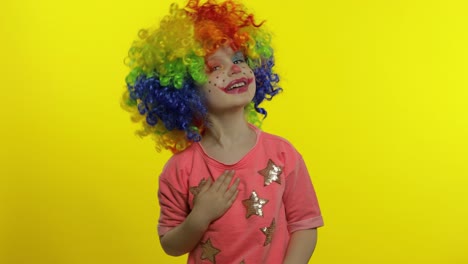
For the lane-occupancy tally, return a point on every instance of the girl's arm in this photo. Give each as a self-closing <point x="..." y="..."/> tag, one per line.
<point x="301" y="246"/>
<point x="211" y="202"/>
<point x="185" y="237"/>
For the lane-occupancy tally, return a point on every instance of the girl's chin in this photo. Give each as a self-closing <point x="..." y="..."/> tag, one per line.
<point x="233" y="107"/>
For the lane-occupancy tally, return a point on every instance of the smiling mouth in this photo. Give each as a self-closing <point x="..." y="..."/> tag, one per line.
<point x="240" y="85"/>
<point x="237" y="85"/>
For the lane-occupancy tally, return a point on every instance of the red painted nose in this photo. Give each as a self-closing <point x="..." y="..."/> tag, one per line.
<point x="235" y="69"/>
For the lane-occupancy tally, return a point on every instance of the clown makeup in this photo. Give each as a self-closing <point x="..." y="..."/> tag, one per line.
<point x="231" y="82"/>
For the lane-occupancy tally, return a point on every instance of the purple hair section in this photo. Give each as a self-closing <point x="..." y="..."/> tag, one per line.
<point x="177" y="109"/>
<point x="266" y="82"/>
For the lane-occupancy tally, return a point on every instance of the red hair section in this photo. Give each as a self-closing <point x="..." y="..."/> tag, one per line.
<point x="217" y="24"/>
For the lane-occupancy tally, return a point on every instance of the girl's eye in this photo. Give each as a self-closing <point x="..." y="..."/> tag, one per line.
<point x="215" y="68"/>
<point x="238" y="61"/>
<point x="238" y="58"/>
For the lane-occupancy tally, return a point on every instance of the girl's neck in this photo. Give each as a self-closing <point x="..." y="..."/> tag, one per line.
<point x="227" y="130"/>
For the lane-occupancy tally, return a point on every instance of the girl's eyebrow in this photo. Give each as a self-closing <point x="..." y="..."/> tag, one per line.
<point x="213" y="58"/>
<point x="238" y="54"/>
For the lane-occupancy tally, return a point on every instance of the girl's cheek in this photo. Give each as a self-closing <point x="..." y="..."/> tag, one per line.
<point x="213" y="83"/>
<point x="217" y="80"/>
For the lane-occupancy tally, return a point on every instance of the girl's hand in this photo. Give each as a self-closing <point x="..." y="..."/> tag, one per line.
<point x="214" y="199"/>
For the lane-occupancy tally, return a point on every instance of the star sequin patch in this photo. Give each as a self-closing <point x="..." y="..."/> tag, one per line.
<point x="196" y="189"/>
<point x="271" y="173"/>
<point x="209" y="251"/>
<point x="268" y="232"/>
<point x="254" y="205"/>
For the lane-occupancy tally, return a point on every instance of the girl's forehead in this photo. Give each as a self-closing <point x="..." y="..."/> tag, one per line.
<point x="223" y="52"/>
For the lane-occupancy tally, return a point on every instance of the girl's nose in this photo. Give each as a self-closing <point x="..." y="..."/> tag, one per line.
<point x="235" y="69"/>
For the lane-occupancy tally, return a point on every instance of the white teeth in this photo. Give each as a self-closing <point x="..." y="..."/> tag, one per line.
<point x="237" y="85"/>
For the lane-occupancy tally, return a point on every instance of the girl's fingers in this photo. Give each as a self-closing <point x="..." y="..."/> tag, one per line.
<point x="226" y="181"/>
<point x="233" y="198"/>
<point x="236" y="183"/>
<point x="218" y="184"/>
<point x="205" y="185"/>
<point x="233" y="188"/>
<point x="220" y="180"/>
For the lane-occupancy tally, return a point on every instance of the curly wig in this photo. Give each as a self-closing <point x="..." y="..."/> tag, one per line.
<point x="167" y="65"/>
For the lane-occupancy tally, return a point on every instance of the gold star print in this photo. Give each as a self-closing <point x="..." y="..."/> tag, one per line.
<point x="209" y="252"/>
<point x="269" y="231"/>
<point x="196" y="189"/>
<point x="242" y="262"/>
<point x="254" y="205"/>
<point x="271" y="173"/>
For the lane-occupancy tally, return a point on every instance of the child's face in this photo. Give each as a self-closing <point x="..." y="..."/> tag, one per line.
<point x="231" y="82"/>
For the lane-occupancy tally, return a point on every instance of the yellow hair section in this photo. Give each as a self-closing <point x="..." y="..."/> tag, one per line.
<point x="170" y="50"/>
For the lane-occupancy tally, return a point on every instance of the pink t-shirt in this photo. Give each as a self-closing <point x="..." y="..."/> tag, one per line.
<point x="276" y="197"/>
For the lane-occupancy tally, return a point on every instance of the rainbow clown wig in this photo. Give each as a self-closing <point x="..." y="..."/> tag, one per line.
<point x="167" y="65"/>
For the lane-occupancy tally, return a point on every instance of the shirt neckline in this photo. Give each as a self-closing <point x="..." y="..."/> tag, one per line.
<point x="239" y="163"/>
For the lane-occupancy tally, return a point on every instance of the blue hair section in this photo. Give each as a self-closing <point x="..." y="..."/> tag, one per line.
<point x="178" y="109"/>
<point x="267" y="84"/>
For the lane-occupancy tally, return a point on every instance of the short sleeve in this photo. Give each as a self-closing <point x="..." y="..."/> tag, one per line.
<point x="300" y="200"/>
<point x="172" y="201"/>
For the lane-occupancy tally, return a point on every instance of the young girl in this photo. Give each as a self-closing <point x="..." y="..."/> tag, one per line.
<point x="230" y="193"/>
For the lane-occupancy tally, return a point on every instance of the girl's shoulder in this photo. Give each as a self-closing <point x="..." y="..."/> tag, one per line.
<point x="263" y="136"/>
<point x="179" y="163"/>
<point x="274" y="141"/>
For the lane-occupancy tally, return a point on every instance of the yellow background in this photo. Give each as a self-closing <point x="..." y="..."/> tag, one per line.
<point x="375" y="98"/>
